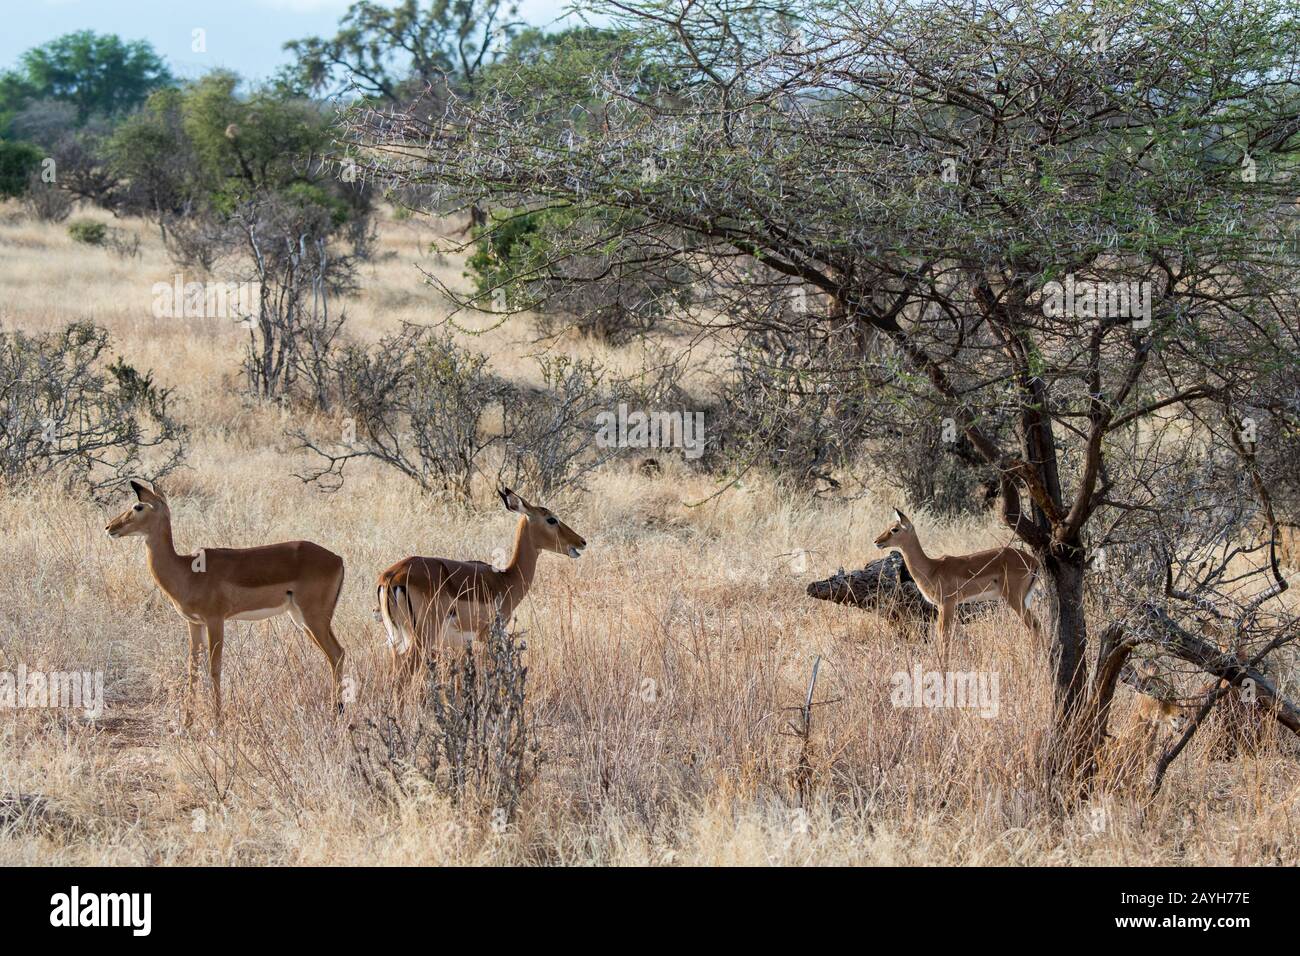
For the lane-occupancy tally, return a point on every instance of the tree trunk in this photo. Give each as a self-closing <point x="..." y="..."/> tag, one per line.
<point x="1069" y="643"/>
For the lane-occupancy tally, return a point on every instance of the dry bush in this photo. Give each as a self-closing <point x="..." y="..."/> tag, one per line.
<point x="421" y="403"/>
<point x="415" y="402"/>
<point x="195" y="240"/>
<point x="471" y="737"/>
<point x="548" y="431"/>
<point x="285" y="244"/>
<point x="46" y="202"/>
<point x="68" y="416"/>
<point x="123" y="243"/>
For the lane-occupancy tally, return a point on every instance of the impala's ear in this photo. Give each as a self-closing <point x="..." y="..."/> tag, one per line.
<point x="902" y="518"/>
<point x="147" y="494"/>
<point x="511" y="500"/>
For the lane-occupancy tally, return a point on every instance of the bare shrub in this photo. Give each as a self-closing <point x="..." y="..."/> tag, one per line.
<point x="122" y="243"/>
<point x="286" y="241"/>
<point x="417" y="402"/>
<point x="83" y="167"/>
<point x="46" y="202"/>
<point x="195" y="240"/>
<point x="782" y="410"/>
<point x="933" y="464"/>
<point x="65" y="416"/>
<point x="549" y="431"/>
<point x="471" y="738"/>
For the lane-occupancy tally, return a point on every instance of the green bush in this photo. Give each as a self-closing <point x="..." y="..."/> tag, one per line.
<point x="88" y="231"/>
<point x="615" y="291"/>
<point x="17" y="162"/>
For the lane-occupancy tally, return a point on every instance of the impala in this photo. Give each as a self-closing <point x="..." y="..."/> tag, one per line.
<point x="950" y="581"/>
<point x="1157" y="706"/>
<point x="430" y="603"/>
<point x="236" y="584"/>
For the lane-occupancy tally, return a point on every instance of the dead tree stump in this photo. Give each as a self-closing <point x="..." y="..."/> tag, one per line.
<point x="884" y="586"/>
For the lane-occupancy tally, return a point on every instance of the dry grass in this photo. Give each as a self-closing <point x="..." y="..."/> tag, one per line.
<point x="703" y="601"/>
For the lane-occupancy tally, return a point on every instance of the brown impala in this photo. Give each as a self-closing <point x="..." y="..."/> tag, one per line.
<point x="236" y="584"/>
<point x="950" y="581"/>
<point x="429" y="603"/>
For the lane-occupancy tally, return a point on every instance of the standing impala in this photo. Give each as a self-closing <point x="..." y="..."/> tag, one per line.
<point x="428" y="603"/>
<point x="236" y="584"/>
<point x="950" y="581"/>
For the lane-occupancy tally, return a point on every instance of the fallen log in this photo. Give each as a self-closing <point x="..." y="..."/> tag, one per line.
<point x="884" y="586"/>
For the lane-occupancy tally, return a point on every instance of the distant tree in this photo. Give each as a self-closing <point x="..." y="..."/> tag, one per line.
<point x="99" y="74"/>
<point x="394" y="53"/>
<point x="153" y="153"/>
<point x="44" y="122"/>
<point x="205" y="149"/>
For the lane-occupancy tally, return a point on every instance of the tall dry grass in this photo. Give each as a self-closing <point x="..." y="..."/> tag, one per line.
<point x="663" y="663"/>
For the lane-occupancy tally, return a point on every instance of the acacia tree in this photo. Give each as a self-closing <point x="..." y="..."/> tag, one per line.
<point x="1062" y="228"/>
<point x="392" y="53"/>
<point x="98" y="74"/>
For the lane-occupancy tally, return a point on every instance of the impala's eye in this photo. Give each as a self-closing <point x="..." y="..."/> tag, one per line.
<point x="552" y="520"/>
<point x="138" y="508"/>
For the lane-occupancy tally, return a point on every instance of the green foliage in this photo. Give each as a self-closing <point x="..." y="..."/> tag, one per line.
<point x="265" y="141"/>
<point x="526" y="258"/>
<point x="88" y="231"/>
<point x="553" y="71"/>
<point x="99" y="74"/>
<point x="17" y="162"/>
<point x="308" y="195"/>
<point x="208" y="148"/>
<point x="151" y="150"/>
<point x="509" y="250"/>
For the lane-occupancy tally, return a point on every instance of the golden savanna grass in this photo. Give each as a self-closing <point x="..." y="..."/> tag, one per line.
<point x="704" y="601"/>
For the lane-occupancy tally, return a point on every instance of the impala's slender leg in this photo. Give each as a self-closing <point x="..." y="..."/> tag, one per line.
<point x="947" y="625"/>
<point x="216" y="640"/>
<point x="196" y="652"/>
<point x="318" y="628"/>
<point x="416" y="657"/>
<point x="1019" y="603"/>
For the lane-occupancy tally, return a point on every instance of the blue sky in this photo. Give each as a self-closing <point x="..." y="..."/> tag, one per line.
<point x="243" y="35"/>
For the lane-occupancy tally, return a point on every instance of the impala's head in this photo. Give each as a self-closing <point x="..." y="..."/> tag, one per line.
<point x="896" y="533"/>
<point x="1157" y="702"/>
<point x="142" y="517"/>
<point x="547" y="532"/>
